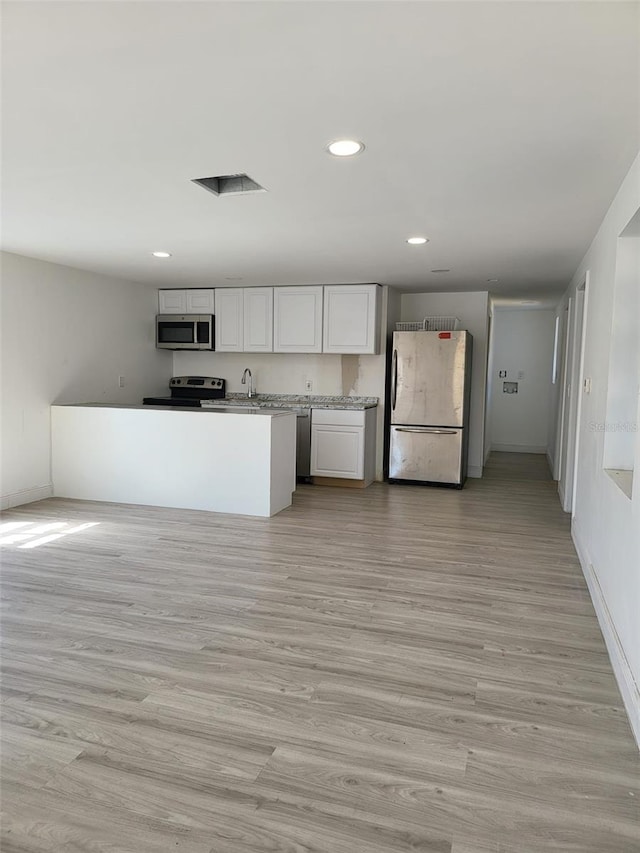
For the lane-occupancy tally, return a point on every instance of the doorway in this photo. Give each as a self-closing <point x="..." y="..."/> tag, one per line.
<point x="521" y="397"/>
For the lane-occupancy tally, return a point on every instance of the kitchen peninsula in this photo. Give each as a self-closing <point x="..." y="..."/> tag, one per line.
<point x="235" y="460"/>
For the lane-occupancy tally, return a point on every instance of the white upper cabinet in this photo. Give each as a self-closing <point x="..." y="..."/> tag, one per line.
<point x="258" y="319"/>
<point x="198" y="301"/>
<point x="172" y="301"/>
<point x="297" y="319"/>
<point x="352" y="319"/>
<point x="333" y="319"/>
<point x="229" y="319"/>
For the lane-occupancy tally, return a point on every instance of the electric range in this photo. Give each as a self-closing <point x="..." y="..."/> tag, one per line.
<point x="189" y="391"/>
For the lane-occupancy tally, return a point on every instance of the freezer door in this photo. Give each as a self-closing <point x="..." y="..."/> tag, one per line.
<point x="428" y="378"/>
<point x="430" y="454"/>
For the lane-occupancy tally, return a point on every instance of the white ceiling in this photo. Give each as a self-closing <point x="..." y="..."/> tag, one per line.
<point x="499" y="130"/>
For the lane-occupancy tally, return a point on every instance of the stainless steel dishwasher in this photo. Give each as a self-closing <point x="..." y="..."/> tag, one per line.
<point x="303" y="444"/>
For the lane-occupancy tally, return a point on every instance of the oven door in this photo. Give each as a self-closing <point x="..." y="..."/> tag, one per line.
<point x="185" y="331"/>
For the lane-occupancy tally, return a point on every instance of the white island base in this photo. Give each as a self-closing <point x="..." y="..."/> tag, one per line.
<point x="234" y="461"/>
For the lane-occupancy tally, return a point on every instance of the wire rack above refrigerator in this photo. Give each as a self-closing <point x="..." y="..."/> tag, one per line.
<point x="430" y="324"/>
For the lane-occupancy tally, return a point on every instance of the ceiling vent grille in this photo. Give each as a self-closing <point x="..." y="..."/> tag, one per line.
<point x="239" y="184"/>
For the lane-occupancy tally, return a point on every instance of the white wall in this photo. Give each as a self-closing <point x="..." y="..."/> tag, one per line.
<point x="522" y="346"/>
<point x="284" y="373"/>
<point x="472" y="310"/>
<point x="67" y="335"/>
<point x="624" y="361"/>
<point x="556" y="392"/>
<point x="273" y="373"/>
<point x="606" y="523"/>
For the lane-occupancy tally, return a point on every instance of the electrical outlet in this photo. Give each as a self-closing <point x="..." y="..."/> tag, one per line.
<point x="587" y="385"/>
<point x="308" y="385"/>
<point x="120" y="381"/>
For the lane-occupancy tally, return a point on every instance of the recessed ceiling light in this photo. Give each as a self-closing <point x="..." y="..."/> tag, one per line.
<point x="345" y="147"/>
<point x="493" y="279"/>
<point x="529" y="302"/>
<point x="440" y="270"/>
<point x="417" y="241"/>
<point x="161" y="254"/>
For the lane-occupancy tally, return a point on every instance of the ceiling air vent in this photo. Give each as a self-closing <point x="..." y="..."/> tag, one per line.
<point x="229" y="184"/>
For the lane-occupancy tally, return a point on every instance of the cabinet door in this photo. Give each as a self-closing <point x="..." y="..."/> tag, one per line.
<point x="229" y="319"/>
<point x="258" y="319"/>
<point x="200" y="301"/>
<point x="351" y="319"/>
<point x="337" y="451"/>
<point x="172" y="301"/>
<point x="297" y="320"/>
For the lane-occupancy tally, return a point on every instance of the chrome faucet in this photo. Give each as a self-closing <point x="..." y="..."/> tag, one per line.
<point x="250" y="391"/>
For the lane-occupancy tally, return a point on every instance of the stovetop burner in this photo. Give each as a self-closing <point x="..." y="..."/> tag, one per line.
<point x="188" y="391"/>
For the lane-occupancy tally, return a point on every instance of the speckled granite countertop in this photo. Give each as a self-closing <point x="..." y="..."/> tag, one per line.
<point x="292" y="401"/>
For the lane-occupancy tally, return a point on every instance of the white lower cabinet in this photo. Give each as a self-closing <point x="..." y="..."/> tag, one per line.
<point x="343" y="444"/>
<point x="337" y="451"/>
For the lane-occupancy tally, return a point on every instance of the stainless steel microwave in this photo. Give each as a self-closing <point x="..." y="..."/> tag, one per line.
<point x="185" y="331"/>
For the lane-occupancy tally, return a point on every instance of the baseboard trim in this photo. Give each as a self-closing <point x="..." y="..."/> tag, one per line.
<point x="621" y="668"/>
<point x="26" y="496"/>
<point x="341" y="482"/>
<point x="518" y="448"/>
<point x="474" y="471"/>
<point x="551" y="464"/>
<point x="561" y="496"/>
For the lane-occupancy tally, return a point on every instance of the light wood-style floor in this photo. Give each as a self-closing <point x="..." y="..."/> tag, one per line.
<point x="392" y="669"/>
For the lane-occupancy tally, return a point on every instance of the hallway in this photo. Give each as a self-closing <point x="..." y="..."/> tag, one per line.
<point x="381" y="670"/>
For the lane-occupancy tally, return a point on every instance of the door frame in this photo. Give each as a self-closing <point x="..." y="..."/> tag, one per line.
<point x="572" y="398"/>
<point x="584" y="290"/>
<point x="563" y="412"/>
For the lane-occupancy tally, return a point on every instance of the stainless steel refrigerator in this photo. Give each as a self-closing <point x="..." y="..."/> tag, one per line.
<point x="430" y="390"/>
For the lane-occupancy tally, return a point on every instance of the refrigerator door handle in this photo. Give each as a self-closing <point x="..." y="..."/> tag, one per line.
<point x="427" y="429"/>
<point x="394" y="379"/>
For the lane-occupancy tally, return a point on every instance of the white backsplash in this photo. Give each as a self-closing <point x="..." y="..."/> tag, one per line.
<point x="284" y="373"/>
